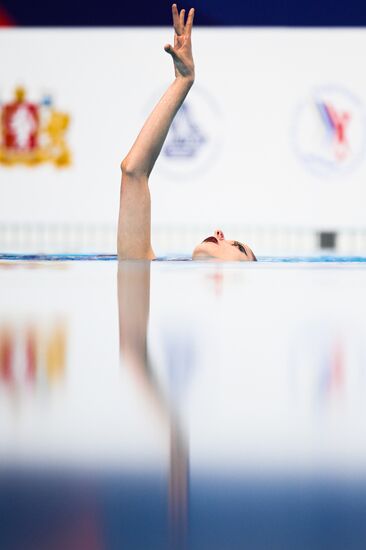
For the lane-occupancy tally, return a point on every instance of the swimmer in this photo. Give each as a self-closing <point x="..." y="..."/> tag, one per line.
<point x="134" y="224"/>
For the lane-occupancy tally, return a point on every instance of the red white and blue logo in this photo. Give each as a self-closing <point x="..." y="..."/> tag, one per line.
<point x="330" y="131"/>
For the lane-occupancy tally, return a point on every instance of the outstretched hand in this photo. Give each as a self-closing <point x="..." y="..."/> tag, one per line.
<point x="182" y="50"/>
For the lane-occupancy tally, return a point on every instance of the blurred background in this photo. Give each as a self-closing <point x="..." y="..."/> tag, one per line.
<point x="183" y="404"/>
<point x="269" y="145"/>
<point x="210" y="13"/>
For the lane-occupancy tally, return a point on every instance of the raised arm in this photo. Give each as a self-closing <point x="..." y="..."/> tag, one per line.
<point x="135" y="208"/>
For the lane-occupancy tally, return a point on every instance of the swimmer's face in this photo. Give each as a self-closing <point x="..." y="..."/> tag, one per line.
<point x="219" y="248"/>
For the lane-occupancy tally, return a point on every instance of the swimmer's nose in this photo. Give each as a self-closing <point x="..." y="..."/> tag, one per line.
<point x="219" y="235"/>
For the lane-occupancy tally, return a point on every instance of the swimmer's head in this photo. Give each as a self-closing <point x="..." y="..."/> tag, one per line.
<point x="217" y="247"/>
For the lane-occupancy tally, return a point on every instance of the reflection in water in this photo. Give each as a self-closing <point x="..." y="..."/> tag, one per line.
<point x="32" y="354"/>
<point x="134" y="303"/>
<point x="178" y="484"/>
<point x="217" y="279"/>
<point x="263" y="368"/>
<point x="326" y="363"/>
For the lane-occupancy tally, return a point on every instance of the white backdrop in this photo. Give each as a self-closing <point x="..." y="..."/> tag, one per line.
<point x="261" y="151"/>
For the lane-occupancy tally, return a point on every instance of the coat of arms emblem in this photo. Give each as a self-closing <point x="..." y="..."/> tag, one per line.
<point x="33" y="133"/>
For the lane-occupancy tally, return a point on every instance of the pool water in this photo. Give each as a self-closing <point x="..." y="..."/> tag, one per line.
<point x="113" y="257"/>
<point x="182" y="404"/>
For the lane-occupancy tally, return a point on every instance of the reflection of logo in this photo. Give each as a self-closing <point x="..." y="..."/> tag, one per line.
<point x="32" y="133"/>
<point x="32" y="355"/>
<point x="194" y="138"/>
<point x="330" y="131"/>
<point x="319" y="371"/>
<point x="327" y="363"/>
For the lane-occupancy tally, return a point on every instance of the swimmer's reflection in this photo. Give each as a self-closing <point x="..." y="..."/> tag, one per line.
<point x="134" y="303"/>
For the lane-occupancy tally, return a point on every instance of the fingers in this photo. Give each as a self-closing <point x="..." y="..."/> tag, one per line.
<point x="176" y="20"/>
<point x="181" y="20"/>
<point x="189" y="23"/>
<point x="169" y="49"/>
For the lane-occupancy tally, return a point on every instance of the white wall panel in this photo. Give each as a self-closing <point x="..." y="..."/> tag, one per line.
<point x="253" y="113"/>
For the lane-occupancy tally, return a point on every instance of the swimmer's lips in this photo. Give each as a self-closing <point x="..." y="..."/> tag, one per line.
<point x="211" y="240"/>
